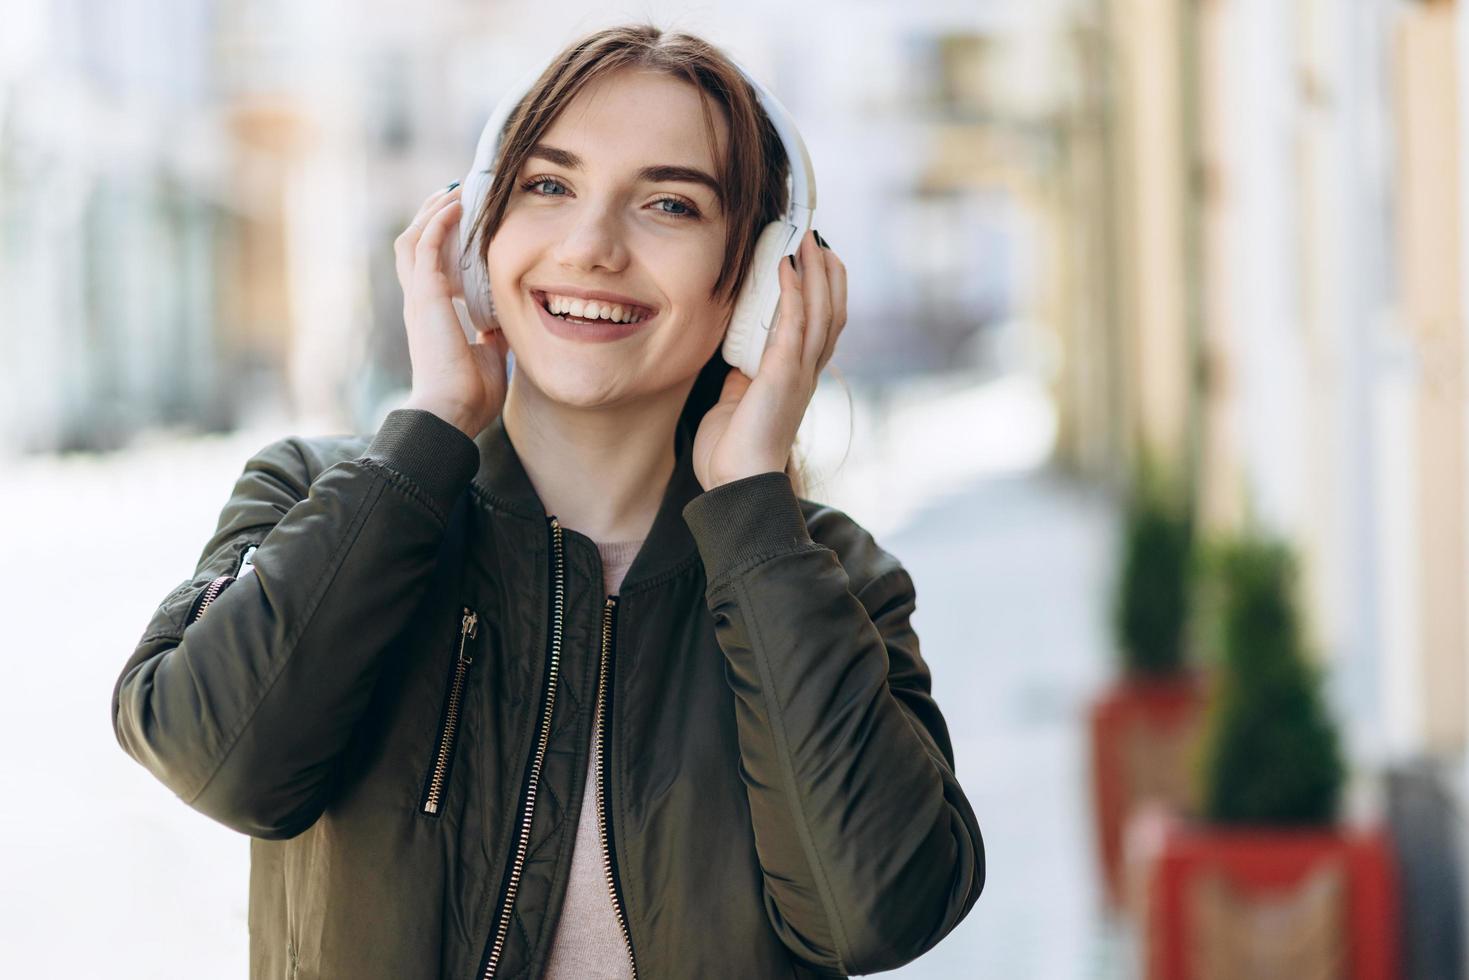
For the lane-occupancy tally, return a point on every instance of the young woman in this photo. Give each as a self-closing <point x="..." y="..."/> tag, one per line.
<point x="561" y="676"/>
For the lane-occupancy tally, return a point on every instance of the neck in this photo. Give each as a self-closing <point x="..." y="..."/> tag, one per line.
<point x="602" y="471"/>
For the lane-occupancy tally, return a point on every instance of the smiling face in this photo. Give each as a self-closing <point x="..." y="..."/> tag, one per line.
<point x="606" y="203"/>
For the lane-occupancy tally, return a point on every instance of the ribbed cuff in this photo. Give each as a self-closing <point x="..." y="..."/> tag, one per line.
<point x="433" y="454"/>
<point x="745" y="520"/>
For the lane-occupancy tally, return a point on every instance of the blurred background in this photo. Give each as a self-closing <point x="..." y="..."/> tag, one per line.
<point x="1154" y="377"/>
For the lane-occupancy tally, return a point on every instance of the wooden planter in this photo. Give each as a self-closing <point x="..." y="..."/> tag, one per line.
<point x="1143" y="731"/>
<point x="1213" y="903"/>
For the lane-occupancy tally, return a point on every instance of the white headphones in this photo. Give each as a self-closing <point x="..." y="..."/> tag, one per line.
<point x="754" y="310"/>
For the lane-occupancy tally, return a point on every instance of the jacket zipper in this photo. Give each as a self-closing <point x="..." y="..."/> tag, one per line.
<point x="211" y="591"/>
<point x="468" y="628"/>
<point x="522" y="836"/>
<point x="604" y="811"/>
<point x="207" y="596"/>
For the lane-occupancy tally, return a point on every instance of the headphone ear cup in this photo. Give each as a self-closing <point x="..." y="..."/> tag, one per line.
<point x="470" y="275"/>
<point x="754" y="310"/>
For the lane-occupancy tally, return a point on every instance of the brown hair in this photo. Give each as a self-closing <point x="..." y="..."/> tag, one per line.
<point x="752" y="173"/>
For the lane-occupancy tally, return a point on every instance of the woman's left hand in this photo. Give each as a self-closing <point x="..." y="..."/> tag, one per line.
<point x="753" y="426"/>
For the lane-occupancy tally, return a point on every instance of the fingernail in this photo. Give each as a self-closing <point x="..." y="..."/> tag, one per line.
<point x="819" y="240"/>
<point x="452" y="186"/>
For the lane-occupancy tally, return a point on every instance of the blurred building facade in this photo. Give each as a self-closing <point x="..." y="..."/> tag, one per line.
<point x="1268" y="209"/>
<point x="200" y="200"/>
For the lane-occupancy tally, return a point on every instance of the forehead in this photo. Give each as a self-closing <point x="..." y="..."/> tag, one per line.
<point x="639" y="115"/>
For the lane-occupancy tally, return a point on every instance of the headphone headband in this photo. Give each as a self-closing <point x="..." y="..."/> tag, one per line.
<point x="802" y="201"/>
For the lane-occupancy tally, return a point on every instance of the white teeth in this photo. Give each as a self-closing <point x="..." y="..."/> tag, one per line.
<point x="592" y="309"/>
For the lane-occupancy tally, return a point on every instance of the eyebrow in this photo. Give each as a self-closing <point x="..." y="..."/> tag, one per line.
<point x="654" y="173"/>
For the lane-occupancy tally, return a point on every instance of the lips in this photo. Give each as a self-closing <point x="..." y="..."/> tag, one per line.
<point x="542" y="296"/>
<point x="599" y="331"/>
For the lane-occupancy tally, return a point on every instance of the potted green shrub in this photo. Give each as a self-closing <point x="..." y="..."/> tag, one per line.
<point x="1268" y="704"/>
<point x="1266" y="880"/>
<point x="1144" y="725"/>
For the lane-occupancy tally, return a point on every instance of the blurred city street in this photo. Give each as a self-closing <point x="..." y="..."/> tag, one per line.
<point x="1154" y="372"/>
<point x="1008" y="573"/>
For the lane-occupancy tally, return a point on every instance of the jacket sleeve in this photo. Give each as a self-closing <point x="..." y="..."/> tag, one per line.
<point x="243" y="711"/>
<point x="870" y="851"/>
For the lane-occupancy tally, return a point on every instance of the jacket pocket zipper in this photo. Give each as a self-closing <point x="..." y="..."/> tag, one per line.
<point x="211" y="591"/>
<point x="438" y="776"/>
<point x="533" y="777"/>
<point x="604" y="805"/>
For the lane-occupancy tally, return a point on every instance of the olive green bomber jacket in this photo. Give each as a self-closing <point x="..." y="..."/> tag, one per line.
<point x="394" y="699"/>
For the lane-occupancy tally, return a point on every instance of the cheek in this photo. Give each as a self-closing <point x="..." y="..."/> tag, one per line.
<point x="690" y="272"/>
<point x="500" y="258"/>
<point x="516" y="242"/>
<point x="699" y="336"/>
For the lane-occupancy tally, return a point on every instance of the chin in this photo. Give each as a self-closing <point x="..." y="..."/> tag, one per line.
<point x="577" y="382"/>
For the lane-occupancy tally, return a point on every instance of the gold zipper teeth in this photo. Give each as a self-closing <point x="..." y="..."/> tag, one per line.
<point x="601" y="813"/>
<point x="468" y="628"/>
<point x="215" y="587"/>
<point x="211" y="592"/>
<point x="523" y="837"/>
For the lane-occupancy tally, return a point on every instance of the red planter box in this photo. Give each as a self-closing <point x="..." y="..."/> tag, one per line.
<point x="1142" y="733"/>
<point x="1226" y="902"/>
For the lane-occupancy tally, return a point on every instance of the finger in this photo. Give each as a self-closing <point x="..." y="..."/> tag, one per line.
<point x="427" y="267"/>
<point x="407" y="240"/>
<point x="790" y="317"/>
<point x="416" y="271"/>
<point x="816" y="289"/>
<point x="427" y="210"/>
<point x="734" y="387"/>
<point x="836" y="273"/>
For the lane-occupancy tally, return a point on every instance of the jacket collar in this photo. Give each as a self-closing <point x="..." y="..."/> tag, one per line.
<point x="669" y="544"/>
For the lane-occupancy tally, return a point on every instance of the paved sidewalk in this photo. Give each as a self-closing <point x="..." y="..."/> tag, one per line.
<point x="1012" y="577"/>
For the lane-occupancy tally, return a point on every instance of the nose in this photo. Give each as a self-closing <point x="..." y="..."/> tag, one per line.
<point x="593" y="240"/>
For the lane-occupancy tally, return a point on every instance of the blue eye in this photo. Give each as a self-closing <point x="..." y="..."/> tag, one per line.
<point x="689" y="211"/>
<point x="534" y="181"/>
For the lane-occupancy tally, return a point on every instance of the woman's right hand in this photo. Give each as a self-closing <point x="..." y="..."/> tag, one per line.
<point x="460" y="382"/>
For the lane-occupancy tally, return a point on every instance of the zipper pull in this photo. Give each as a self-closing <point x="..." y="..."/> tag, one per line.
<point x="469" y="627"/>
